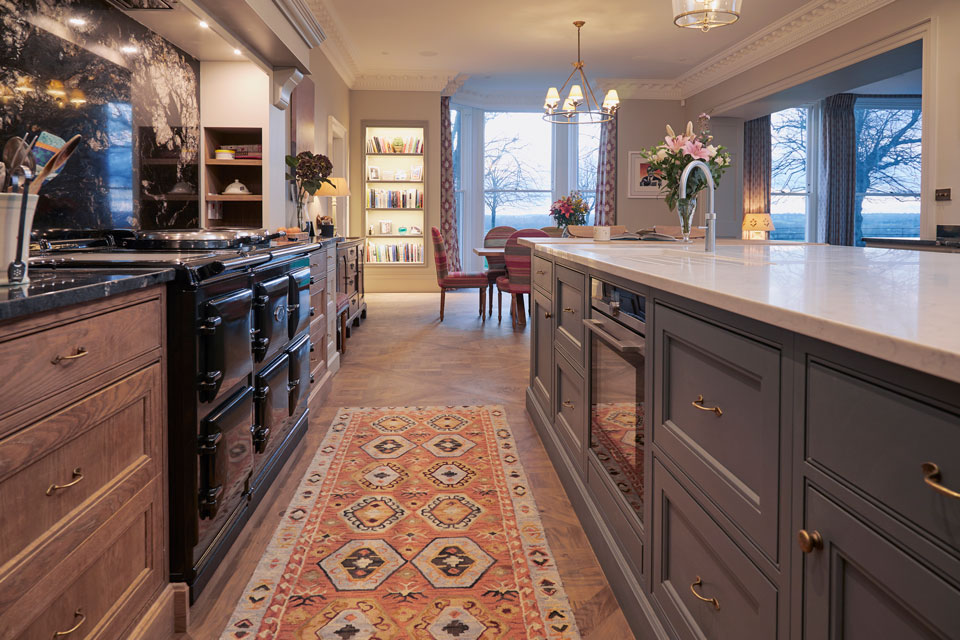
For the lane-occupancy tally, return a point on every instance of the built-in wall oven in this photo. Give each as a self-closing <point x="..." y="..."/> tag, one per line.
<point x="617" y="325"/>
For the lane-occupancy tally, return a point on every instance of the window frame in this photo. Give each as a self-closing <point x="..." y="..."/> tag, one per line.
<point x="812" y="172"/>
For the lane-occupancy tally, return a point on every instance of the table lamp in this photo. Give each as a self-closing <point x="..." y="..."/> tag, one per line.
<point x="338" y="189"/>
<point x="757" y="226"/>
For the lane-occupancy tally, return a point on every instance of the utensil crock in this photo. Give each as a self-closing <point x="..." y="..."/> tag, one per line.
<point x="9" y="225"/>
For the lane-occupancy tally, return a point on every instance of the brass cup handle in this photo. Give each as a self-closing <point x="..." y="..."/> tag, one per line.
<point x="83" y="618"/>
<point x="81" y="352"/>
<point x="698" y="403"/>
<point x="547" y="314"/>
<point x="809" y="541"/>
<point x="932" y="476"/>
<point x="567" y="404"/>
<point x="569" y="310"/>
<point x="693" y="590"/>
<point x="77" y="477"/>
<point x="541" y="272"/>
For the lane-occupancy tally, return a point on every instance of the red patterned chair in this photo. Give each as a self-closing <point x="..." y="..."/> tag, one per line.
<point x="517" y="281"/>
<point x="456" y="279"/>
<point x="496" y="265"/>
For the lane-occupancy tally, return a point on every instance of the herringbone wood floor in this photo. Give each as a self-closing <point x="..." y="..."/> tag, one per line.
<point x="402" y="355"/>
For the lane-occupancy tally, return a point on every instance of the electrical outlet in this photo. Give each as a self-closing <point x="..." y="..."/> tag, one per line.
<point x="942" y="195"/>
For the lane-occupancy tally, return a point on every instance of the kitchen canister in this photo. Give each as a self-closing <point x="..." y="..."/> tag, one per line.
<point x="9" y="226"/>
<point x="601" y="234"/>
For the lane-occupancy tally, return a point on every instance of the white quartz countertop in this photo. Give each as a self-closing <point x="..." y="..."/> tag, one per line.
<point x="901" y="306"/>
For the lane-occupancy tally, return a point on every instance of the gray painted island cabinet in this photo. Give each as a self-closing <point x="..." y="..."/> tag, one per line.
<point x="742" y="481"/>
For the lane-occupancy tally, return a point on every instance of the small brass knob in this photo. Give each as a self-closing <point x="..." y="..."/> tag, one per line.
<point x="809" y="540"/>
<point x="547" y="314"/>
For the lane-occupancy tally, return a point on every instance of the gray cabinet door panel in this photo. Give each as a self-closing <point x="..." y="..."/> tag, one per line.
<point x="543" y="274"/>
<point x="569" y="408"/>
<point x="570" y="296"/>
<point x="733" y="456"/>
<point x="877" y="439"/>
<point x="541" y="346"/>
<point x="861" y="587"/>
<point x="624" y="524"/>
<point x="693" y="557"/>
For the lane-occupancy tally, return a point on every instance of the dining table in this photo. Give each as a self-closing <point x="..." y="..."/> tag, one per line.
<point x="489" y="252"/>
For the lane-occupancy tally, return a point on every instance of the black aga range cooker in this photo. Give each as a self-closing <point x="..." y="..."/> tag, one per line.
<point x="238" y="371"/>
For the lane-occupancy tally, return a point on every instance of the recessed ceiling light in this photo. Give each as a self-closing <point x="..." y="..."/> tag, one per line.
<point x="77" y="21"/>
<point x="128" y="49"/>
<point x="237" y="52"/>
<point x="204" y="25"/>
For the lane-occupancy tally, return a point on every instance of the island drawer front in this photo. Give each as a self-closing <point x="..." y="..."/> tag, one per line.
<point x="53" y="360"/>
<point x="625" y="526"/>
<point x="543" y="274"/>
<point x="876" y="439"/>
<point x="732" y="454"/>
<point x="111" y="438"/>
<point x="570" y="411"/>
<point x="541" y="361"/>
<point x="570" y="310"/>
<point x="689" y="546"/>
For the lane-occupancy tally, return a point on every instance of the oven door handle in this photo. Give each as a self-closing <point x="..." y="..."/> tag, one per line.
<point x="596" y="327"/>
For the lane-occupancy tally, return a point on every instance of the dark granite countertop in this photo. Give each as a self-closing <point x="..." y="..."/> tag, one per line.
<point x="54" y="288"/>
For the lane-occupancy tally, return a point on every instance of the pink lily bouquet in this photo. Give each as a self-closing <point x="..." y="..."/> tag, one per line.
<point x="669" y="158"/>
<point x="571" y="209"/>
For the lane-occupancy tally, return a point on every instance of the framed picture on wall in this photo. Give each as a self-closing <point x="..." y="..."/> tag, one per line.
<point x="642" y="183"/>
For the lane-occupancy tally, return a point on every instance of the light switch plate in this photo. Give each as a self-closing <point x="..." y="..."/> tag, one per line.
<point x="942" y="195"/>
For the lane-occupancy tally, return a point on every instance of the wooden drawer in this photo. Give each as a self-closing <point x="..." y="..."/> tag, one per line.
<point x="876" y="439"/>
<point x="354" y="304"/>
<point x="331" y="261"/>
<point x="693" y="560"/>
<point x="543" y="274"/>
<point x="318" y="258"/>
<point x="351" y="253"/>
<point x="570" y="299"/>
<point x="569" y="407"/>
<point x="732" y="454"/>
<point x="541" y="351"/>
<point x="109" y="579"/>
<point x="318" y="305"/>
<point x="318" y="343"/>
<point x="103" y="342"/>
<point x="112" y="438"/>
<point x="318" y="282"/>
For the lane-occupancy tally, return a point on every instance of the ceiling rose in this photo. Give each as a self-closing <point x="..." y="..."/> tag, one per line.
<point x="580" y="106"/>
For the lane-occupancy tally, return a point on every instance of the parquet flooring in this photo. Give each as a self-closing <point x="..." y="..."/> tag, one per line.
<point x="402" y="355"/>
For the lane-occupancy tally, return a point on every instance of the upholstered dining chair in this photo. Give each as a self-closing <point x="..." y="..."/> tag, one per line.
<point x="553" y="232"/>
<point x="517" y="281"/>
<point x="496" y="265"/>
<point x="455" y="279"/>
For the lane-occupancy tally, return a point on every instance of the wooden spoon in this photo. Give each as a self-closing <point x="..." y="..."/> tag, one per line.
<point x="55" y="163"/>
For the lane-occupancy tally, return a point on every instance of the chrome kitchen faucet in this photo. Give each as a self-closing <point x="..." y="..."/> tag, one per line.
<point x="710" y="242"/>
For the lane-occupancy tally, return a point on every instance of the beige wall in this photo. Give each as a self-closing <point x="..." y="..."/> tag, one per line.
<point x="394" y="107"/>
<point x="848" y="43"/>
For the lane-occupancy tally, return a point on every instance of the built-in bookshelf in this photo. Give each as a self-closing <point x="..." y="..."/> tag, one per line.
<point x="394" y="193"/>
<point x="233" y="209"/>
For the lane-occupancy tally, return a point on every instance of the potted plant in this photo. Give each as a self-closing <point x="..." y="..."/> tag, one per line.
<point x="570" y="210"/>
<point x="308" y="172"/>
<point x="669" y="158"/>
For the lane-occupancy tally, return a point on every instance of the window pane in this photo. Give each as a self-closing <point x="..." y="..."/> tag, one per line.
<point x="516" y="161"/>
<point x="455" y="139"/>
<point x="588" y="153"/>
<point x="789" y="214"/>
<point x="788" y="137"/>
<point x="525" y="210"/>
<point x="890" y="217"/>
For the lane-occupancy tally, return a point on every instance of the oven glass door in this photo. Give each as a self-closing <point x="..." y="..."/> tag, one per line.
<point x="616" y="407"/>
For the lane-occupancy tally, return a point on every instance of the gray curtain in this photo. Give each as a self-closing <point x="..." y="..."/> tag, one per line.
<point x="605" y="207"/>
<point x="837" y="171"/>
<point x="757" y="165"/>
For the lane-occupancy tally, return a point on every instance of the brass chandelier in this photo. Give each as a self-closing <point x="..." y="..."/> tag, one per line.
<point x="580" y="106"/>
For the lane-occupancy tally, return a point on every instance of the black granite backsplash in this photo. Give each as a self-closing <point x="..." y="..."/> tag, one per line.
<point x="83" y="67"/>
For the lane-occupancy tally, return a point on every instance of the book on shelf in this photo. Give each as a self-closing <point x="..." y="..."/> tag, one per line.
<point x="394" y="199"/>
<point x="385" y="145"/>
<point x="399" y="252"/>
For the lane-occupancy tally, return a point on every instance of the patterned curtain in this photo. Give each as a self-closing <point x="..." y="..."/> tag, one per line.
<point x="448" y="197"/>
<point x="605" y="207"/>
<point x="757" y="165"/>
<point x="838" y="171"/>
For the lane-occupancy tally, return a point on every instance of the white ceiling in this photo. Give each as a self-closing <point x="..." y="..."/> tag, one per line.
<point x="505" y="44"/>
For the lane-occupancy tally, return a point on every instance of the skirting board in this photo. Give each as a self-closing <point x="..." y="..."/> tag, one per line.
<point x="633" y="602"/>
<point x="167" y="618"/>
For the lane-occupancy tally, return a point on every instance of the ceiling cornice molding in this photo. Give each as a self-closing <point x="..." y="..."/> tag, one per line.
<point x="393" y="80"/>
<point x="638" y="89"/>
<point x="303" y="20"/>
<point x="810" y="21"/>
<point x="335" y="46"/>
<point x="456" y="84"/>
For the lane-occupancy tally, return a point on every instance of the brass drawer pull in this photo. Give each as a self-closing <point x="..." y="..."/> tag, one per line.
<point x="567" y="404"/>
<point x="547" y="314"/>
<point x="568" y="310"/>
<point x="77" y="477"/>
<point x="81" y="352"/>
<point x="809" y="541"/>
<point x="931" y="475"/>
<point x="698" y="403"/>
<point x="83" y="618"/>
<point x="540" y="272"/>
<point x="693" y="590"/>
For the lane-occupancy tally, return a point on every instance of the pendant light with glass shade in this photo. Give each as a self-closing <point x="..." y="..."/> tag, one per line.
<point x="580" y="106"/>
<point x="705" y="14"/>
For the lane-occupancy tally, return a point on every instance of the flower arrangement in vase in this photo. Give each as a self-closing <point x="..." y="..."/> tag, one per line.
<point x="308" y="172"/>
<point x="570" y="210"/>
<point x="669" y="158"/>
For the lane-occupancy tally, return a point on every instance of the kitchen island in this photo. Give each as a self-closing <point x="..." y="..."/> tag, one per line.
<point x="763" y="442"/>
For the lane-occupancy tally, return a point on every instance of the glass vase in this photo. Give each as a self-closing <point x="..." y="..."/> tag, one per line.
<point x="686" y="207"/>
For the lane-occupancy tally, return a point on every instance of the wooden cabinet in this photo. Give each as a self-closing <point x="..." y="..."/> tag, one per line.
<point x="319" y="308"/>
<point x="83" y="477"/>
<point x="569" y="407"/>
<point x="350" y="285"/>
<point x="570" y="295"/>
<point x="541" y="351"/>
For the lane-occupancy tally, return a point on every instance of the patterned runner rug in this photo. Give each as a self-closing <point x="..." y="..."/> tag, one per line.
<point x="410" y="523"/>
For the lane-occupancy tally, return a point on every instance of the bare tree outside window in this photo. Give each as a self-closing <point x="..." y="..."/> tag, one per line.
<point x="517" y="181"/>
